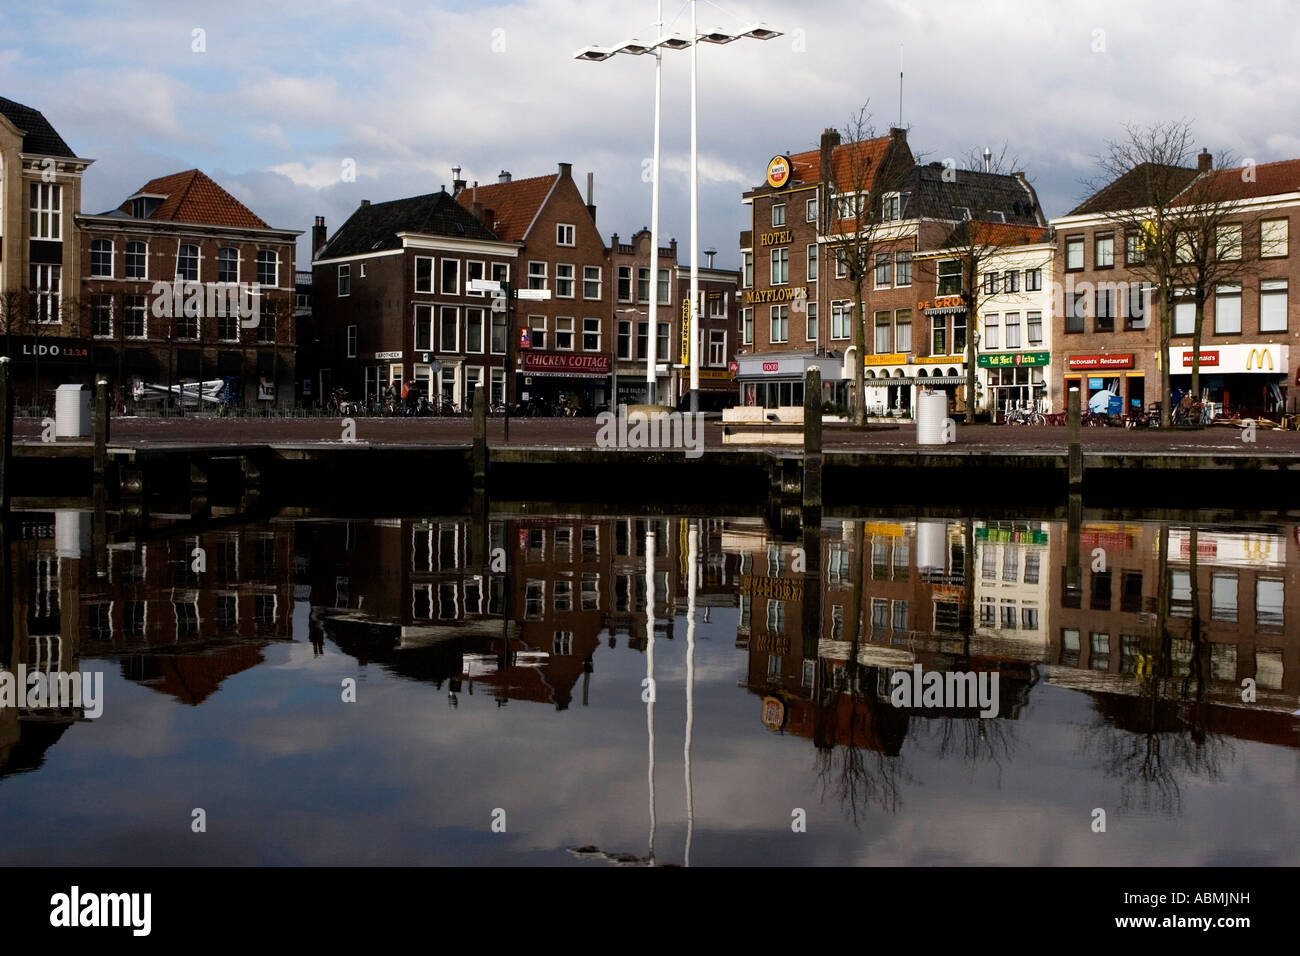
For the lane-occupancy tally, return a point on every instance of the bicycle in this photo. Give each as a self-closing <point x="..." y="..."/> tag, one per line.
<point x="1021" y="415"/>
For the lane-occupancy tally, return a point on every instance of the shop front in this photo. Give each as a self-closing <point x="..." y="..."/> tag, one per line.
<point x="892" y="381"/>
<point x="1013" y="380"/>
<point x="547" y="381"/>
<point x="776" y="380"/>
<point x="1251" y="379"/>
<point x="1112" y="372"/>
<point x="41" y="363"/>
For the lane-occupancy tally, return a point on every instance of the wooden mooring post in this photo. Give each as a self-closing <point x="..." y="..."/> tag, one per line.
<point x="812" y="441"/>
<point x="6" y="433"/>
<point x="1075" y="451"/>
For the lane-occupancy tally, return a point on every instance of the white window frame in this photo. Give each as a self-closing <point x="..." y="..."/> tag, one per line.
<point x="812" y="320"/>
<point x="565" y="234"/>
<point x="812" y="264"/>
<point x="810" y="210"/>
<point x="1273" y="288"/>
<point x="587" y="278"/>
<point x="561" y="278"/>
<point x="198" y="261"/>
<point x="126" y="259"/>
<point x="718" y="341"/>
<point x="275" y="262"/>
<point x="1227" y="293"/>
<point x="442" y="344"/>
<point x="778" y="214"/>
<point x="45" y="220"/>
<point x="470" y="277"/>
<point x="415" y="276"/>
<point x="564" y="325"/>
<point x="781" y="254"/>
<point x="1274" y="246"/>
<point x="534" y="273"/>
<point x="352" y="341"/>
<point x="586" y="323"/>
<point x="537" y="323"/>
<point x="484" y="330"/>
<point x="344" y="281"/>
<point x="442" y="276"/>
<point x="784" y="311"/>
<point x="112" y="253"/>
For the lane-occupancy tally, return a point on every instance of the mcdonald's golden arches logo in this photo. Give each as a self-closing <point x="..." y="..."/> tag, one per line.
<point x="1260" y="355"/>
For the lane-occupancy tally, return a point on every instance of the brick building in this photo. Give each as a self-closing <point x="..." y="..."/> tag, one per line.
<point x="798" y="306"/>
<point x="391" y="304"/>
<point x="40" y="192"/>
<point x="183" y="284"/>
<point x="1108" y="332"/>
<point x="567" y="355"/>
<point x="719" y="313"/>
<point x="630" y="268"/>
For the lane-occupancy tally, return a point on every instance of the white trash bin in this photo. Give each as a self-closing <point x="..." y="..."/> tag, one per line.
<point x="72" y="411"/>
<point x="931" y="413"/>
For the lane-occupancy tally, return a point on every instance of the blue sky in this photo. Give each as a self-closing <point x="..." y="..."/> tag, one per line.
<point x="285" y="92"/>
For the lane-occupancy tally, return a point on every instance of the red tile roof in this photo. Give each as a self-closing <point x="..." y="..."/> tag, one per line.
<point x="513" y="204"/>
<point x="1007" y="234"/>
<point x="193" y="197"/>
<point x="807" y="166"/>
<point x="1266" y="179"/>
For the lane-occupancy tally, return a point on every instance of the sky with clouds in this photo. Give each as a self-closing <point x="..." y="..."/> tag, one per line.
<point x="285" y="93"/>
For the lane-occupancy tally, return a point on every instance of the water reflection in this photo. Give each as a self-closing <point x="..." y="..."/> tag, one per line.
<point x="1150" y="656"/>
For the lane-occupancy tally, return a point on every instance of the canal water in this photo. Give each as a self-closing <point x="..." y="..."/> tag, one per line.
<point x="597" y="691"/>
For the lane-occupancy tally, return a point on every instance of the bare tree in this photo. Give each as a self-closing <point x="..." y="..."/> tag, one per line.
<point x="979" y="238"/>
<point x="862" y="170"/>
<point x="1139" y="189"/>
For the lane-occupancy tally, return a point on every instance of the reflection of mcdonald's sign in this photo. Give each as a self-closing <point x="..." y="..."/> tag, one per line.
<point x="1260" y="355"/>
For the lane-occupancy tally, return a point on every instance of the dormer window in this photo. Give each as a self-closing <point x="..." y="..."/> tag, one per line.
<point x="889" y="207"/>
<point x="997" y="216"/>
<point x="960" y="213"/>
<point x="142" y="207"/>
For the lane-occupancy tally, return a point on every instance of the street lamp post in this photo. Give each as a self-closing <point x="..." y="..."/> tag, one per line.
<point x="757" y="31"/>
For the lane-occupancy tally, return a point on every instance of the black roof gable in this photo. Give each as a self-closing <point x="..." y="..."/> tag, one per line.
<point x="39" y="136"/>
<point x="374" y="228"/>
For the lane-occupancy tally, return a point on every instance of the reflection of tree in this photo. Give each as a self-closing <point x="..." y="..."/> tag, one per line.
<point x="1154" y="741"/>
<point x="974" y="739"/>
<point x="853" y="731"/>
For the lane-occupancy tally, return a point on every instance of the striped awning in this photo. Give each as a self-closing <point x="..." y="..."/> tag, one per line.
<point x="946" y="310"/>
<point x="940" y="380"/>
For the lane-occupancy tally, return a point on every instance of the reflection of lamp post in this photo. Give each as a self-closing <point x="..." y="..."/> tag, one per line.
<point x="974" y="399"/>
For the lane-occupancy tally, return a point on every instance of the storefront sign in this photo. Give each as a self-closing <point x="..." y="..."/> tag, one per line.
<point x="894" y="358"/>
<point x="717" y="374"/>
<point x="778" y="171"/>
<point x="775" y="295"/>
<point x="781" y="589"/>
<point x="776" y="238"/>
<point x="1208" y="358"/>
<point x="771" y="366"/>
<point x="733" y="367"/>
<point x="44" y="348"/>
<point x="942" y="302"/>
<point x="381" y="356"/>
<point x="1078" y="363"/>
<point x="773" y="713"/>
<point x="686" y="331"/>
<point x="1235" y="359"/>
<point x="1013" y="359"/>
<point x="544" y="363"/>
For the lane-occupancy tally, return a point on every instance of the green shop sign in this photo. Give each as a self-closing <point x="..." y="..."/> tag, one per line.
<point x="1013" y="359"/>
<point x="1005" y="535"/>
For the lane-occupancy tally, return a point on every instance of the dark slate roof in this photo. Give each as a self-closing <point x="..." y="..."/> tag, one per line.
<point x="927" y="196"/>
<point x="1134" y="188"/>
<point x="39" y="136"/>
<point x="374" y="228"/>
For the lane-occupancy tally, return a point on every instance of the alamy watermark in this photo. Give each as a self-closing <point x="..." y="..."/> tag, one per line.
<point x="75" y="909"/>
<point x="950" y="690"/>
<point x="41" y="690"/>
<point x="181" y="298"/>
<point x="653" y="430"/>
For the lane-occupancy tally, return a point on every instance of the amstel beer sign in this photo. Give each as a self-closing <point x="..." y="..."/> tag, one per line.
<point x="778" y="171"/>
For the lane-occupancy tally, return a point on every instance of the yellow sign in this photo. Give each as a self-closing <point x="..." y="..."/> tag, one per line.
<point x="778" y="171"/>
<point x="776" y="238"/>
<point x="718" y="374"/>
<point x="1261" y="355"/>
<point x="895" y="358"/>
<point x="775" y="295"/>
<point x="686" y="331"/>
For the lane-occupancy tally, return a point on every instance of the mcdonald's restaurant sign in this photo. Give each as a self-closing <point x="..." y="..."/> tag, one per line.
<point x="1232" y="359"/>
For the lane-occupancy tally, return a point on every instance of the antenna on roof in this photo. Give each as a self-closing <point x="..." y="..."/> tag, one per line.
<point x="900" y="86"/>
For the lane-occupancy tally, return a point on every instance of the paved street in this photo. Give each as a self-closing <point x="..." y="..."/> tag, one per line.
<point x="581" y="433"/>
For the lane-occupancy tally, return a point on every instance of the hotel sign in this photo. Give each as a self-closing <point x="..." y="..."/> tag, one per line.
<point x="778" y="171"/>
<point x="779" y="238"/>
<point x="775" y="295"/>
<point x="1013" y="359"/>
<point x="1078" y="363"/>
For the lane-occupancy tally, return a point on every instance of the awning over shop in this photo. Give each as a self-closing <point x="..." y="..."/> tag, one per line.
<point x="775" y="366"/>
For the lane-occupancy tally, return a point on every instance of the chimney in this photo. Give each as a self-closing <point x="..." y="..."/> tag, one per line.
<point x="457" y="184"/>
<point x="708" y="257"/>
<point x="830" y="139"/>
<point x="504" y="176"/>
<point x="591" y="189"/>
<point x="672" y="246"/>
<point x="566" y="170"/>
<point x="365" y="202"/>
<point x="318" y="235"/>
<point x="988" y="160"/>
<point x="1204" y="161"/>
<point x="474" y="192"/>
